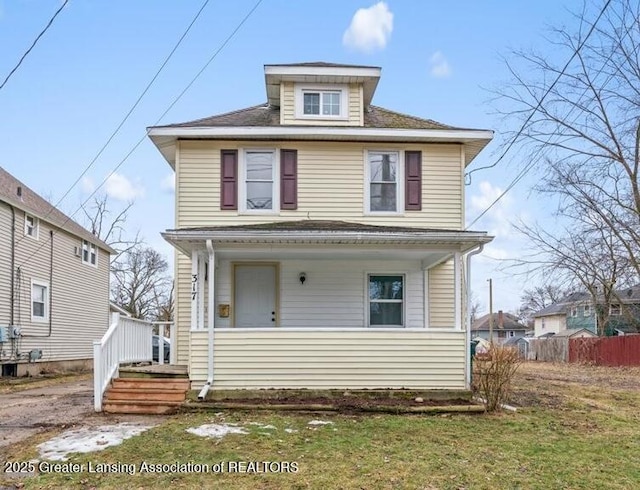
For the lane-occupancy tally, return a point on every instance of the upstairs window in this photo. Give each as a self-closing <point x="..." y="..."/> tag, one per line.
<point x="587" y="310"/>
<point x="383" y="174"/>
<point x="89" y="253"/>
<point x="260" y="182"/>
<point x="574" y="311"/>
<point x="31" y="226"/>
<point x="321" y="103"/>
<point x="615" y="310"/>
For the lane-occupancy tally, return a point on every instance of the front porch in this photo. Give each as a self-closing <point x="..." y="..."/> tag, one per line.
<point x="339" y="306"/>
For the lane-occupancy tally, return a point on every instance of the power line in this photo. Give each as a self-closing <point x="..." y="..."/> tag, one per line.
<point x="135" y="147"/>
<point x="128" y="114"/>
<point x="34" y="43"/>
<point x="530" y="165"/>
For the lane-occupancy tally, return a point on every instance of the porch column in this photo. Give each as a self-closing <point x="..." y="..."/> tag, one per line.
<point x="201" y="275"/>
<point x="457" y="281"/>
<point x="211" y="303"/>
<point x="194" y="290"/>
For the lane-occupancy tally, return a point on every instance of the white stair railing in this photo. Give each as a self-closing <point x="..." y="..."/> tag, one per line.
<point x="126" y="340"/>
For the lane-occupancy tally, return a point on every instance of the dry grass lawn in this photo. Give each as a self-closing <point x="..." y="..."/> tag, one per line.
<point x="578" y="427"/>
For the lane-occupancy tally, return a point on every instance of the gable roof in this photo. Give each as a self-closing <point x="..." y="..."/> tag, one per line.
<point x="264" y="115"/>
<point x="509" y="322"/>
<point x="625" y="295"/>
<point x="570" y="332"/>
<point x="34" y="204"/>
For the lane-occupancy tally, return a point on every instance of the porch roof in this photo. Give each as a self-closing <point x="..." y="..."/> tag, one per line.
<point x="325" y="232"/>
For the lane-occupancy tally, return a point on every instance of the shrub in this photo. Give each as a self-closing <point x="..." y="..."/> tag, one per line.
<point x="493" y="372"/>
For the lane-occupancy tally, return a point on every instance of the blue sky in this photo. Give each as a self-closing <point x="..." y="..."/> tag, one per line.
<point x="438" y="59"/>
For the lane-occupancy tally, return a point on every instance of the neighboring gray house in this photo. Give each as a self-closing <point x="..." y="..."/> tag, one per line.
<point x="54" y="285"/>
<point x="505" y="326"/>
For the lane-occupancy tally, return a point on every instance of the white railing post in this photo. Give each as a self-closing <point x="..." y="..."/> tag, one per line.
<point x="173" y="353"/>
<point x="97" y="375"/>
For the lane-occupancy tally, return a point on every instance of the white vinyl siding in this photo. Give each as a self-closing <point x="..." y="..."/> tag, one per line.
<point x="331" y="185"/>
<point x="441" y="296"/>
<point x="79" y="308"/>
<point x="353" y="359"/>
<point x="333" y="295"/>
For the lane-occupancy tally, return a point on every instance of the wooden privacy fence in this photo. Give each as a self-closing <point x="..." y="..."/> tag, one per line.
<point x="548" y="350"/>
<point x="606" y="351"/>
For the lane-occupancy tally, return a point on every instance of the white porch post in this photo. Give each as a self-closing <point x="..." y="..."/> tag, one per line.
<point x="457" y="280"/>
<point x="194" y="290"/>
<point x="210" y="320"/>
<point x="201" y="276"/>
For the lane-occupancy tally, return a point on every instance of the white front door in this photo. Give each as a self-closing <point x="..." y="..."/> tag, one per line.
<point x="255" y="295"/>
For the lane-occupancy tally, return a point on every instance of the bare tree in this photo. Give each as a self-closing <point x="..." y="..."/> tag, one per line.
<point x="537" y="298"/>
<point x="581" y="126"/>
<point x="475" y="307"/>
<point x="110" y="227"/>
<point x="140" y="280"/>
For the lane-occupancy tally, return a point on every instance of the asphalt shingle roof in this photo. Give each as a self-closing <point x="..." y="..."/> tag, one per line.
<point x="264" y="115"/>
<point x="509" y="322"/>
<point x="33" y="204"/>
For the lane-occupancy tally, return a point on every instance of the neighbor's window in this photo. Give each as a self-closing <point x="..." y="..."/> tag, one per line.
<point x="587" y="310"/>
<point x="512" y="333"/>
<point x="574" y="311"/>
<point x="259" y="179"/>
<point x="321" y="103"/>
<point x="39" y="301"/>
<point x="386" y="300"/>
<point x="30" y="226"/>
<point x="614" y="310"/>
<point x="89" y="253"/>
<point x="383" y="181"/>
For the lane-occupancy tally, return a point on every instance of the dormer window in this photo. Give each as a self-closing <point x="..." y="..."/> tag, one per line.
<point x="319" y="102"/>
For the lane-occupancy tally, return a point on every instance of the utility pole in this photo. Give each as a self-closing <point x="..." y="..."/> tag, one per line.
<point x="490" y="310"/>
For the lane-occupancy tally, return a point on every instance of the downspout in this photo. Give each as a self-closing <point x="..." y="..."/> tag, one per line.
<point x="50" y="292"/>
<point x="210" y="317"/>
<point x="13" y="263"/>
<point x="467" y="319"/>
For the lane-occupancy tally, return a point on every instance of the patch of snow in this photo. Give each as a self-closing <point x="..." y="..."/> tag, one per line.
<point x="269" y="427"/>
<point x="88" y="439"/>
<point x="216" y="430"/>
<point x="319" y="422"/>
<point x="290" y="431"/>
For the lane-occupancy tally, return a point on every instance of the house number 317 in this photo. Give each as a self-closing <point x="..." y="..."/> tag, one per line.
<point x="194" y="286"/>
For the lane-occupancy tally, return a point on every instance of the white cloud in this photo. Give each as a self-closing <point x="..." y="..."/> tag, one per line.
<point x="439" y="67"/>
<point x="370" y="28"/>
<point x="87" y="185"/>
<point x="168" y="184"/>
<point x="498" y="218"/>
<point x="122" y="189"/>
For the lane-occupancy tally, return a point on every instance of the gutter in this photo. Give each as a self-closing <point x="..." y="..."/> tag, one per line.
<point x="210" y="317"/>
<point x="467" y="329"/>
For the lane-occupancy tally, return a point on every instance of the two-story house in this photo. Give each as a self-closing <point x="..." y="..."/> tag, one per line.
<point x="54" y="285"/>
<point x="320" y="239"/>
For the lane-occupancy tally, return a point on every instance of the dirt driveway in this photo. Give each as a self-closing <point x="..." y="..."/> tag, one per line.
<point x="27" y="412"/>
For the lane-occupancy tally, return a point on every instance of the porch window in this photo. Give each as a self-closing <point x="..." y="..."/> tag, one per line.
<point x="259" y="180"/>
<point x="39" y="301"/>
<point x="386" y="300"/>
<point x="384" y="177"/>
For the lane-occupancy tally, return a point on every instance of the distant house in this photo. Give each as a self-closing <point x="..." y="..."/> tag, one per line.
<point x="577" y="311"/>
<point x="505" y="326"/>
<point x="575" y="333"/>
<point x="54" y="285"/>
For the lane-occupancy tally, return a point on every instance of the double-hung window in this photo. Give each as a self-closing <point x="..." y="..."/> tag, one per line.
<point x="586" y="310"/>
<point x="386" y="300"/>
<point x="384" y="190"/>
<point x="39" y="301"/>
<point x="30" y="226"/>
<point x="260" y="183"/>
<point x="321" y="102"/>
<point x="89" y="253"/>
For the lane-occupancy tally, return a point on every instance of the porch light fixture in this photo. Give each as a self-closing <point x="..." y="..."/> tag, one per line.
<point x="302" y="277"/>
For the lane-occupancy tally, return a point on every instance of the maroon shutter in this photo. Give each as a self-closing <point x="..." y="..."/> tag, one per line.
<point x="413" y="180"/>
<point x="228" y="179"/>
<point x="288" y="179"/>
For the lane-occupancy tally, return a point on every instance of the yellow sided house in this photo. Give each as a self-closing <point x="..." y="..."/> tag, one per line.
<point x="320" y="239"/>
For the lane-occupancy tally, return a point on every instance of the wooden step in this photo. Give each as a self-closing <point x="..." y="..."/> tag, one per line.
<point x="142" y="407"/>
<point x="145" y="394"/>
<point x="152" y="383"/>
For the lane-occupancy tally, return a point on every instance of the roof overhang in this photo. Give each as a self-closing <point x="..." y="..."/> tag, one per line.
<point x="474" y="140"/>
<point x="274" y="75"/>
<point x="407" y="244"/>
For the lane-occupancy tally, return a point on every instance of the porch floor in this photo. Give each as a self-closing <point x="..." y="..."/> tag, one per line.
<point x="154" y="371"/>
